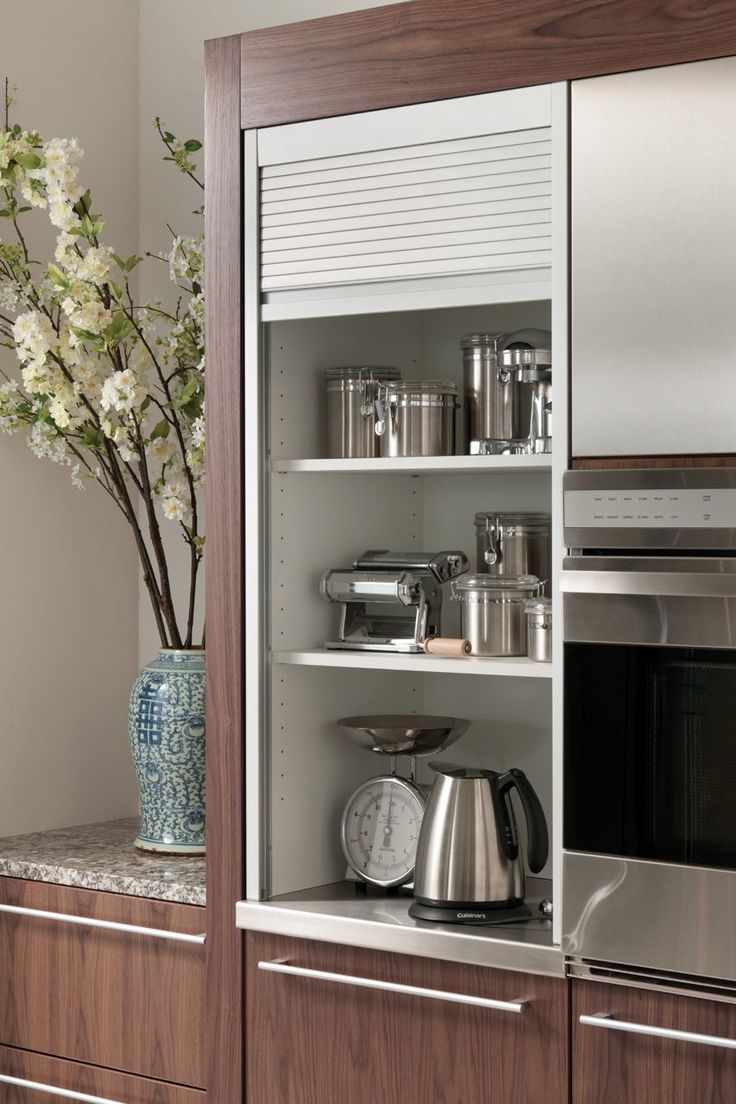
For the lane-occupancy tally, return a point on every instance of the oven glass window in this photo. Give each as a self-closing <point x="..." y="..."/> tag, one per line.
<point x="650" y="753"/>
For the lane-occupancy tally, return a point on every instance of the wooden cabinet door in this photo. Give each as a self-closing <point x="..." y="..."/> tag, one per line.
<point x="42" y="1074"/>
<point x="317" y="1041"/>
<point x="616" y="1066"/>
<point x="125" y="1000"/>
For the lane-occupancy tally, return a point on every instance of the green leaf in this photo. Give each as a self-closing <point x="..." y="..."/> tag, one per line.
<point x="57" y="276"/>
<point x="92" y="438"/>
<point x="5" y="213"/>
<point x="161" y="429"/>
<point x="120" y="328"/>
<point x="169" y="136"/>
<point x="131" y="262"/>
<point x="115" y="289"/>
<point x="192" y="145"/>
<point x="91" y="338"/>
<point x="29" y="160"/>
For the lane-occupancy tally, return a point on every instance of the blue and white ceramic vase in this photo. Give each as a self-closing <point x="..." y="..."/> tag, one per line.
<point x="166" y="729"/>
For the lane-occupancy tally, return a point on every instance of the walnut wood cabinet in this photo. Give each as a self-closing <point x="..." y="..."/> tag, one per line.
<point x="617" y="1065"/>
<point x="73" y="1077"/>
<point x="312" y="1040"/>
<point x="122" y="999"/>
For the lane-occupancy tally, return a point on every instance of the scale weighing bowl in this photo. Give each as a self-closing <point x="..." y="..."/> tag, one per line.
<point x="404" y="733"/>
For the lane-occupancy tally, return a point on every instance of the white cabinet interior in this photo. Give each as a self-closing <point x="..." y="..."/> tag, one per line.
<point x="306" y="514"/>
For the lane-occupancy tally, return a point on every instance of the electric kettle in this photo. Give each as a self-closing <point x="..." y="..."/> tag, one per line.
<point x="468" y="862"/>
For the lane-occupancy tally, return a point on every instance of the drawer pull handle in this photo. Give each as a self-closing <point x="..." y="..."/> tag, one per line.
<point x="605" y="1019"/>
<point x="281" y="966"/>
<point x="68" y="1094"/>
<point x="107" y="925"/>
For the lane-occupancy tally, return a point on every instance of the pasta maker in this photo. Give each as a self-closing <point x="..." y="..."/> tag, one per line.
<point x="390" y="601"/>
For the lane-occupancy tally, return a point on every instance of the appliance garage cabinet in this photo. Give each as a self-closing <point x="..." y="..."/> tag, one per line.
<point x="390" y="203"/>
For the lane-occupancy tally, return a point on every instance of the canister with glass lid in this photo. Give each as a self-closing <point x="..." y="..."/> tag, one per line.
<point x="492" y="612"/>
<point x="514" y="543"/>
<point x="351" y="395"/>
<point x="539" y="629"/>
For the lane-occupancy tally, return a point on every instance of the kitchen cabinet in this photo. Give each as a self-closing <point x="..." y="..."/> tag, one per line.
<point x="653" y="1048"/>
<point x="654" y="261"/>
<point x="97" y="991"/>
<point x="280" y="689"/>
<point x="45" y="1078"/>
<point x="312" y="1038"/>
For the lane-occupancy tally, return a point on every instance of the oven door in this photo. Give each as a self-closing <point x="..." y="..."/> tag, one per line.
<point x="650" y="763"/>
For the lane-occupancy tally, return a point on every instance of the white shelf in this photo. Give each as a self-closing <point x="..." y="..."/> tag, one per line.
<point x="420" y="465"/>
<point x="395" y="661"/>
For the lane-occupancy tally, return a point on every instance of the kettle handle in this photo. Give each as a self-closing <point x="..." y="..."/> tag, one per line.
<point x="537" y="836"/>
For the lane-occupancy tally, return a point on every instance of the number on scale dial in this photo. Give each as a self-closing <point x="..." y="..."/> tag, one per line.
<point x="380" y="829"/>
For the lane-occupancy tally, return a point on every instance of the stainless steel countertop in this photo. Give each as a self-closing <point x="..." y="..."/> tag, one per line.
<point x="341" y="914"/>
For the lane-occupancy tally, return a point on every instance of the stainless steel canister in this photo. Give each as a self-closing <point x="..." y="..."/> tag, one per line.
<point x="489" y="389"/>
<point x="351" y="395"/>
<point x="492" y="612"/>
<point x="417" y="418"/>
<point x="514" y="544"/>
<point x="539" y="629"/>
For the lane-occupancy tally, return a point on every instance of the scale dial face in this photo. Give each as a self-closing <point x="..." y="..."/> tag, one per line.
<point x="380" y="829"/>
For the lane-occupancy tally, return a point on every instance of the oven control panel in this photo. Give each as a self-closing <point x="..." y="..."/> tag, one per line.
<point x="662" y="508"/>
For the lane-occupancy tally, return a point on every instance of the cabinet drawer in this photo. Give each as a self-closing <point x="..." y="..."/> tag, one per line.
<point x="657" y="1047"/>
<point x="45" y="1074"/>
<point x="128" y="1000"/>
<point x="313" y="1039"/>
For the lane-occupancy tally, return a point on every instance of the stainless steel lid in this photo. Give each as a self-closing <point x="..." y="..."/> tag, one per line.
<point x="482" y="340"/>
<point x="338" y="379"/>
<point x="422" y="387"/>
<point x="526" y="358"/>
<point x="508" y="522"/>
<point x="495" y="588"/>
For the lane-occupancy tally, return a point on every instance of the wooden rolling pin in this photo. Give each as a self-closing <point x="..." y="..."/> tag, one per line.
<point x="446" y="646"/>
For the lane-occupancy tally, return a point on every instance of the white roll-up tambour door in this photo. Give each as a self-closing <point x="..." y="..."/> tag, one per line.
<point x="464" y="205"/>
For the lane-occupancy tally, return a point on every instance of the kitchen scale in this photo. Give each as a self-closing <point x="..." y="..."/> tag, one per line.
<point x="382" y="817"/>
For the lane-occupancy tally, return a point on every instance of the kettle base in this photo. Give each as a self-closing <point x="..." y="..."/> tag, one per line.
<point x="449" y="914"/>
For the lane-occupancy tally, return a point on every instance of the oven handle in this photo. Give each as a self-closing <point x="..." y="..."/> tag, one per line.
<point x="645" y="584"/>
<point x="606" y="1019"/>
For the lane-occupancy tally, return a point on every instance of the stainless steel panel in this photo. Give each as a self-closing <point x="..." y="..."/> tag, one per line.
<point x="660" y="916"/>
<point x="677" y="622"/>
<point x="337" y="914"/>
<point x="701" y="498"/>
<point x="658" y="601"/>
<point x="654" y="261"/>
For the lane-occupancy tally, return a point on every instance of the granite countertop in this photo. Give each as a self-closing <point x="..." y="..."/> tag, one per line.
<point x="102" y="857"/>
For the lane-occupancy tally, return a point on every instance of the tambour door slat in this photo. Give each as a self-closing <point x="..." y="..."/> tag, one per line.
<point x="493" y="213"/>
<point x="404" y="256"/>
<point x="390" y="157"/>
<point x="415" y="203"/>
<point x="418" y="189"/>
<point x="439" y="243"/>
<point x="472" y="159"/>
<point x="489" y="171"/>
<point x="446" y="266"/>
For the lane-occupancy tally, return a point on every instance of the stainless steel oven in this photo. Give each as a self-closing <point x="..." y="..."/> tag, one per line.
<point x="649" y="607"/>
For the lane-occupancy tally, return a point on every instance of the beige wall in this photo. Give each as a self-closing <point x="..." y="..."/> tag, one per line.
<point x="68" y="576"/>
<point x="172" y="33"/>
<point x="74" y="619"/>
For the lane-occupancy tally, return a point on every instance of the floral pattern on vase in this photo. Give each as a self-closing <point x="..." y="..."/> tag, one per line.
<point x="166" y="727"/>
